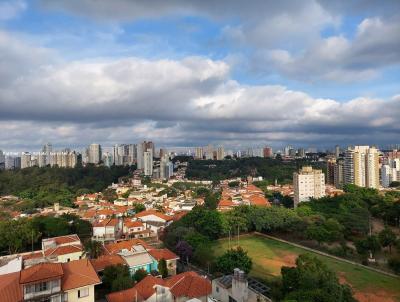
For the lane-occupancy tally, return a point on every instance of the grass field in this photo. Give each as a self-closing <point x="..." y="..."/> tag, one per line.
<point x="269" y="256"/>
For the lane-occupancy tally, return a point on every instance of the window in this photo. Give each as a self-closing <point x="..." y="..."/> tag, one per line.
<point x="217" y="289"/>
<point x="40" y="287"/>
<point x="84" y="292"/>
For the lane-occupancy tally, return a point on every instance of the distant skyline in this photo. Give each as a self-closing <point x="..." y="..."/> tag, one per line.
<point x="188" y="73"/>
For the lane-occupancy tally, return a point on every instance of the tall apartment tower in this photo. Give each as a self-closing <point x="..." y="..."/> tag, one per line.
<point x="148" y="162"/>
<point x="361" y="166"/>
<point x="267" y="152"/>
<point x="337" y="151"/>
<point x="220" y="153"/>
<point x="308" y="183"/>
<point x="210" y="152"/>
<point x="94" y="154"/>
<point x="25" y="160"/>
<point x="330" y="170"/>
<point x="198" y="153"/>
<point x="338" y="178"/>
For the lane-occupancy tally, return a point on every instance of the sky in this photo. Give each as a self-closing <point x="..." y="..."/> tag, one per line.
<point x="189" y="73"/>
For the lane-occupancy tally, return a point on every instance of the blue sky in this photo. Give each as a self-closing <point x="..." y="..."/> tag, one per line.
<point x="232" y="72"/>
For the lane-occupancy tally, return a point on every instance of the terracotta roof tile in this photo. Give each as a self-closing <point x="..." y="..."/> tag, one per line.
<point x="10" y="289"/>
<point x="63" y="250"/>
<point x="42" y="271"/>
<point x="102" y="262"/>
<point x="133" y="224"/>
<point x="113" y="248"/>
<point x="155" y="213"/>
<point x="130" y="294"/>
<point x="79" y="273"/>
<point x="163" y="253"/>
<point x="146" y="287"/>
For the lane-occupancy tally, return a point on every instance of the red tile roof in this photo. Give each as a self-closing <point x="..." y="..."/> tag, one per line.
<point x="102" y="262"/>
<point x="79" y="273"/>
<point x="146" y="287"/>
<point x="10" y="289"/>
<point x="163" y="253"/>
<point x="257" y="200"/>
<point x="33" y="255"/>
<point x="130" y="294"/>
<point x="133" y="224"/>
<point x="114" y="248"/>
<point x="64" y="239"/>
<point x="155" y="213"/>
<point x="105" y="222"/>
<point x="63" y="250"/>
<point x="189" y="284"/>
<point x="42" y="271"/>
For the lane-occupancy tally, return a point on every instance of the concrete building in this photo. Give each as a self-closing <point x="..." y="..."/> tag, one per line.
<point x="390" y="172"/>
<point x="210" y="152"/>
<point x="239" y="288"/>
<point x="220" y="153"/>
<point x="338" y="174"/>
<point x="330" y="170"/>
<point x="25" y="160"/>
<point x="308" y="183"/>
<point x="94" y="154"/>
<point x="148" y="162"/>
<point x="198" y="153"/>
<point x="267" y="152"/>
<point x="361" y="166"/>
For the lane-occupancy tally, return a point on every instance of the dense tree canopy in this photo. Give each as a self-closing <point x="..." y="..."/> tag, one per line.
<point x="312" y="281"/>
<point x="47" y="185"/>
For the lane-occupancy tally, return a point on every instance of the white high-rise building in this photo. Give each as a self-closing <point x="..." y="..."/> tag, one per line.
<point x="25" y="160"/>
<point x="198" y="153"/>
<point x="308" y="183"/>
<point x="210" y="152"/>
<point x="361" y="166"/>
<point x="220" y="153"/>
<point x="148" y="162"/>
<point x="94" y="154"/>
<point x="390" y="172"/>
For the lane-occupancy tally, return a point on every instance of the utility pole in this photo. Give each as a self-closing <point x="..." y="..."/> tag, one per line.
<point x="238" y="236"/>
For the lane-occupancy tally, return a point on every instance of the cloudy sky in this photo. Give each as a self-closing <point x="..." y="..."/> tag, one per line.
<point x="187" y="73"/>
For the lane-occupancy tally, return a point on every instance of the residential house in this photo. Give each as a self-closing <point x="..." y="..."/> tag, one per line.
<point x="238" y="287"/>
<point x="179" y="288"/>
<point x="135" y="229"/>
<point x="108" y="229"/>
<point x="54" y="282"/>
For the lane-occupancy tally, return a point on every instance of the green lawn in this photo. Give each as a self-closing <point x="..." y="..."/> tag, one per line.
<point x="269" y="255"/>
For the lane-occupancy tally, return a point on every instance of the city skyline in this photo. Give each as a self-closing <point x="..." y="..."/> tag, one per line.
<point x="189" y="73"/>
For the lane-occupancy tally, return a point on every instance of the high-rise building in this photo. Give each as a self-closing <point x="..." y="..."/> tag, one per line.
<point x="267" y="152"/>
<point x="337" y="151"/>
<point x="108" y="159"/>
<point x="25" y="160"/>
<point x="287" y="149"/>
<point x="132" y="153"/>
<point x="220" y="153"/>
<point x="148" y="162"/>
<point x="308" y="183"/>
<point x="94" y="154"/>
<point x="301" y="153"/>
<point x="361" y="166"/>
<point x="210" y="152"/>
<point x="198" y="153"/>
<point x="330" y="170"/>
<point x="338" y="178"/>
<point x="390" y="172"/>
<point x="2" y="160"/>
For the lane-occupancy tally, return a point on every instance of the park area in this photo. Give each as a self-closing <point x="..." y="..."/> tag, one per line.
<point x="270" y="255"/>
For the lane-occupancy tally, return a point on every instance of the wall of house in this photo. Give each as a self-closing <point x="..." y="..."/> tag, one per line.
<point x="71" y="257"/>
<point x="73" y="295"/>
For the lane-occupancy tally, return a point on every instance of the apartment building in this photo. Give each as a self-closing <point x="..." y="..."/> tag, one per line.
<point x="308" y="183"/>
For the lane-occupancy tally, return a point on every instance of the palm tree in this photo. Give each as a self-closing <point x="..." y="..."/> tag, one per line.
<point x="93" y="248"/>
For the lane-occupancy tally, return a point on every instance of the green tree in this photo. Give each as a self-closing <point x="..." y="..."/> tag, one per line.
<point x="369" y="244"/>
<point x="139" y="207"/>
<point x="115" y="274"/>
<point x="312" y="281"/>
<point x="93" y="248"/>
<point x="387" y="238"/>
<point x="139" y="275"/>
<point x="162" y="268"/>
<point x="234" y="258"/>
